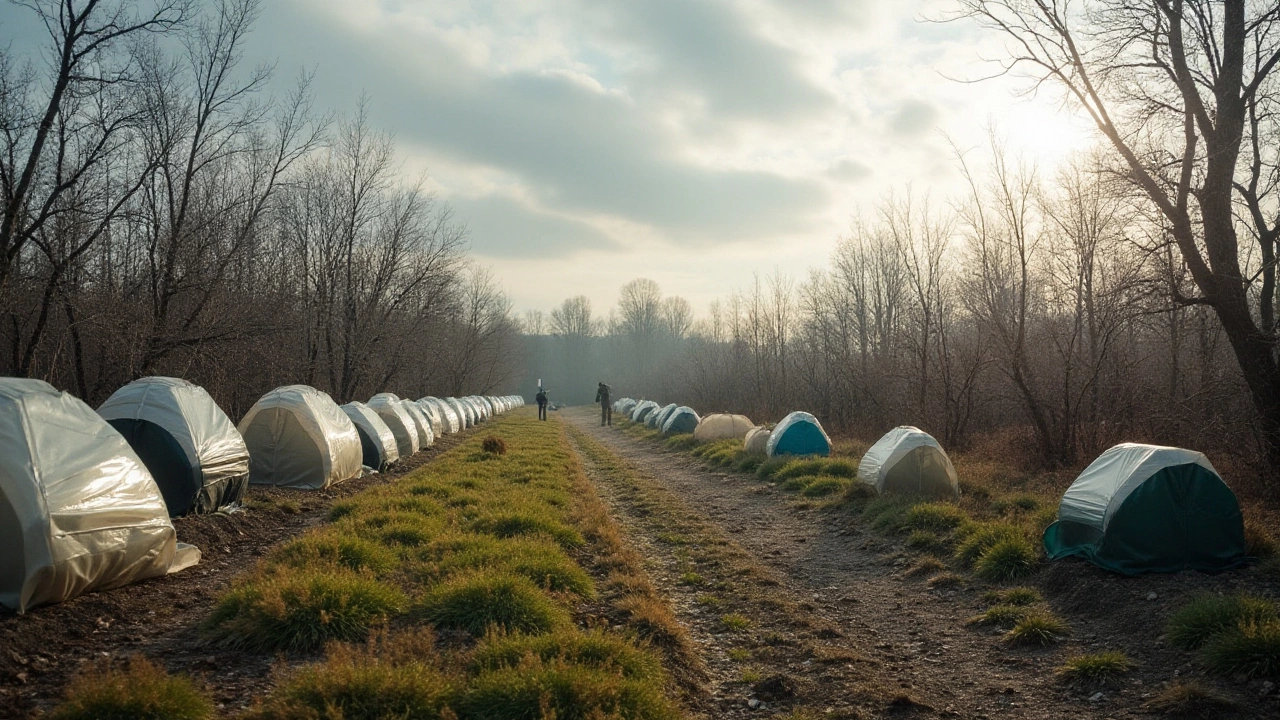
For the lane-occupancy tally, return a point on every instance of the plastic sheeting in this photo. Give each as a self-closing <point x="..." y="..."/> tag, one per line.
<point x="377" y="443"/>
<point x="433" y="414"/>
<point x="464" y="412"/>
<point x="298" y="437"/>
<point x="681" y="420"/>
<point x="188" y="444"/>
<point x="402" y="425"/>
<point x="799" y="433"/>
<point x="722" y="426"/>
<point x="78" y="509"/>
<point x="909" y="460"/>
<point x="642" y="410"/>
<point x="426" y="437"/>
<point x="657" y="418"/>
<point x="451" y="423"/>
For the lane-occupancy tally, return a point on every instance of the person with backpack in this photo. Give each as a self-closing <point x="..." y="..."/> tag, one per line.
<point x="606" y="410"/>
<point x="542" y="403"/>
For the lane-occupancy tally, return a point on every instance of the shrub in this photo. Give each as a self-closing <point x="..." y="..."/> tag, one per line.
<point x="596" y="649"/>
<point x="1251" y="649"/>
<point x="823" y="487"/>
<point x="935" y="516"/>
<point x="977" y="538"/>
<point x="334" y="549"/>
<point x="1190" y="700"/>
<point x="137" y="691"/>
<point x="1102" y="667"/>
<point x="1208" y="614"/>
<point x="538" y="689"/>
<point x="301" y="610"/>
<point x="484" y="601"/>
<point x="1009" y="559"/>
<point x="1037" y="628"/>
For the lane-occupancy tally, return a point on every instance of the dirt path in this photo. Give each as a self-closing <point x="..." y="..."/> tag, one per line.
<point x="914" y="634"/>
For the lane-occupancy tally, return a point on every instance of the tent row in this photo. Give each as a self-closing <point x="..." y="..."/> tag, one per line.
<point x="671" y="419"/>
<point x="86" y="497"/>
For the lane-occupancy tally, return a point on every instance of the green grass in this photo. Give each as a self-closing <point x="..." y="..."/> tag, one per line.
<point x="1004" y="616"/>
<point x="1094" y="668"/>
<point x="1019" y="596"/>
<point x="977" y="538"/>
<point x="768" y="469"/>
<point x="934" y="516"/>
<point x="1206" y="615"/>
<point x="1251" y="649"/>
<point x="824" y="487"/>
<point x="887" y="514"/>
<point x="1190" y="700"/>
<point x="735" y="622"/>
<point x="335" y="550"/>
<point x="596" y="649"/>
<point x="1008" y="559"/>
<point x="488" y="600"/>
<point x="562" y="690"/>
<point x="927" y="541"/>
<point x="137" y="690"/>
<point x="1038" y="629"/>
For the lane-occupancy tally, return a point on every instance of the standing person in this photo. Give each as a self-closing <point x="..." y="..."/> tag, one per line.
<point x="542" y="404"/>
<point x="606" y="410"/>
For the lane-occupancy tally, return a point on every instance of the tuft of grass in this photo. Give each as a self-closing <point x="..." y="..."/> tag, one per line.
<point x="691" y="578"/>
<point x="748" y="463"/>
<point x="558" y="689"/>
<point x="935" y="516"/>
<point x="138" y="690"/>
<point x="1008" y="559"/>
<point x="946" y="580"/>
<point x="735" y="622"/>
<point x="683" y="441"/>
<point x="1251" y="649"/>
<point x="1190" y="700"/>
<point x="302" y="610"/>
<point x="739" y="654"/>
<point x="796" y="484"/>
<point x="887" y="514"/>
<point x="710" y="601"/>
<point x="1019" y="596"/>
<point x="597" y="649"/>
<point x="1005" y="616"/>
<point x="858" y="490"/>
<point x="334" y="550"/>
<point x="485" y="601"/>
<point x="1037" y="629"/>
<point x="1094" y="668"/>
<point x="926" y="566"/>
<point x="1209" y="614"/>
<point x="822" y="487"/>
<point x="513" y="524"/>
<point x="977" y="538"/>
<point x="841" y="468"/>
<point x="927" y="541"/>
<point x="768" y="469"/>
<point x="800" y="468"/>
<point x="539" y="560"/>
<point x="1258" y="540"/>
<point x="494" y="445"/>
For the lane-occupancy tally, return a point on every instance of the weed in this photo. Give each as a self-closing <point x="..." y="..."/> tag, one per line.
<point x="1008" y="559"/>
<point x="139" y="689"/>
<point x="934" y="516"/>
<point x="823" y="487"/>
<point x="1037" y="628"/>
<point x="494" y="445"/>
<point x="1208" y="614"/>
<point x="1103" y="667"/>
<point x="735" y="622"/>
<point x="1190" y="700"/>
<point x="1251" y="649"/>
<point x="486" y="600"/>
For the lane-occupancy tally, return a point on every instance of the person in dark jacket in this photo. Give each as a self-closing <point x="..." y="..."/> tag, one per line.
<point x="606" y="410"/>
<point x="542" y="404"/>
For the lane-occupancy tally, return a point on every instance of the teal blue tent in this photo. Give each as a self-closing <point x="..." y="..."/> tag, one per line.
<point x="798" y="434"/>
<point x="642" y="410"/>
<point x="681" y="420"/>
<point x="659" y="417"/>
<point x="1146" y="508"/>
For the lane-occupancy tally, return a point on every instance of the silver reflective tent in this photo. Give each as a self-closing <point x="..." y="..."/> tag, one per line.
<point x="377" y="443"/>
<point x="298" y="437"/>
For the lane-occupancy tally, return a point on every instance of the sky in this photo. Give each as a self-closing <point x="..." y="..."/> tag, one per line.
<point x="586" y="143"/>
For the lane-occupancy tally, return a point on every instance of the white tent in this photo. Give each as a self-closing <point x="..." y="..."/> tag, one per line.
<point x="394" y="414"/>
<point x="464" y="411"/>
<point x="377" y="443"/>
<point x="756" y="441"/>
<point x="78" y="509"/>
<point x="426" y="436"/>
<point x="722" y="426"/>
<point x="298" y="437"/>
<point x="433" y="414"/>
<point x="656" y="418"/>
<point x="638" y="413"/>
<point x="908" y="460"/>
<point x="190" y="447"/>
<point x="450" y="422"/>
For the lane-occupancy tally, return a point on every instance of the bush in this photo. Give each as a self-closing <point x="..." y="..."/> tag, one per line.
<point x="1208" y="614"/>
<point x="494" y="445"/>
<point x="484" y="601"/>
<point x="1251" y="649"/>
<point x="561" y="690"/>
<point x="935" y="516"/>
<point x="1102" y="667"/>
<point x="1009" y="559"/>
<point x="597" y="649"/>
<point x="977" y="538"/>
<point x="137" y="691"/>
<point x="301" y="610"/>
<point x="1037" y="628"/>
<point x="823" y="487"/>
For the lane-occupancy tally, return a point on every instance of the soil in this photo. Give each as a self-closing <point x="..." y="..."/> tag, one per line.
<point x="923" y="659"/>
<point x="160" y="618"/>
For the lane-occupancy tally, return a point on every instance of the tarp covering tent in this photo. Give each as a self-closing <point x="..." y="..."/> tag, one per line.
<point x="298" y="437"/>
<point x="190" y="447"/>
<point x="642" y="410"/>
<point x="908" y="460"/>
<point x="757" y="441"/>
<point x="433" y="414"/>
<point x="464" y="412"/>
<point x="449" y="421"/>
<point x="681" y="420"/>
<point x="378" y="444"/>
<point x="426" y="436"/>
<point x="799" y="433"/>
<point x="657" y="418"/>
<point x="1145" y="508"/>
<point x="392" y="412"/>
<point x="78" y="509"/>
<point x="722" y="426"/>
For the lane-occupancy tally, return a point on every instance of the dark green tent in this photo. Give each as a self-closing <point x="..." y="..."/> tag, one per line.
<point x="1145" y="508"/>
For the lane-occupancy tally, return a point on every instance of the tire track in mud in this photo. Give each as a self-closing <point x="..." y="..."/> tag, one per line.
<point x="925" y="661"/>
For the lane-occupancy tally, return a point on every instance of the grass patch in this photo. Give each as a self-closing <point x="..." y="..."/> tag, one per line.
<point x="1190" y="700"/>
<point x="887" y="514"/>
<point x="1009" y="559"/>
<point x="927" y="541"/>
<point x="768" y="469"/>
<point x="494" y="445"/>
<point x="1019" y="597"/>
<point x="1209" y="614"/>
<point x="334" y="550"/>
<point x="1003" y="616"/>
<point x="977" y="538"/>
<point x="563" y="690"/>
<point x="946" y="580"/>
<point x="926" y="566"/>
<point x="683" y="441"/>
<point x="1258" y="540"/>
<point x="735" y="622"/>
<point x="487" y="600"/>
<point x="136" y="690"/>
<point x="1037" y="629"/>
<point x="1251" y="649"/>
<point x="824" y="487"/>
<point x="934" y="516"/>
<point x="596" y="649"/>
<point x="1095" y="668"/>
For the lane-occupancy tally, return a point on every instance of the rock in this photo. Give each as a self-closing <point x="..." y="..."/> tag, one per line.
<point x="753" y="703"/>
<point x="1152" y="595"/>
<point x="1095" y="697"/>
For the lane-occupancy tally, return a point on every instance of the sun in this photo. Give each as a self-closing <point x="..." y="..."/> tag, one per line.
<point x="1047" y="134"/>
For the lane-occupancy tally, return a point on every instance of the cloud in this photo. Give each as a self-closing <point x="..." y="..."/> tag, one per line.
<point x="502" y="226"/>
<point x="913" y="118"/>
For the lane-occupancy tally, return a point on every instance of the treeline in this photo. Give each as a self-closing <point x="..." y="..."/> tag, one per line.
<point x="165" y="214"/>
<point x="1039" y="314"/>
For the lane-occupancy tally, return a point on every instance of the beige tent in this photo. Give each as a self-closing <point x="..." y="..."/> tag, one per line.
<point x="298" y="437"/>
<point x="909" y="460"/>
<point x="757" y="441"/>
<point x="722" y="426"/>
<point x="78" y="509"/>
<point x="402" y="424"/>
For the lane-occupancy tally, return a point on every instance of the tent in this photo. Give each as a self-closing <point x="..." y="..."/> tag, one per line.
<point x="190" y="447"/>
<point x="298" y="437"/>
<point x="656" y="418"/>
<point x="377" y="443"/>
<point x="756" y="441"/>
<point x="402" y="425"/>
<point x="721" y="426"/>
<point x="799" y="434"/>
<point x="681" y="420"/>
<point x="78" y="509"/>
<point x="426" y="436"/>
<point x="642" y="410"/>
<point x="908" y="460"/>
<point x="464" y="412"/>
<point x="448" y="418"/>
<point x="1146" y="508"/>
